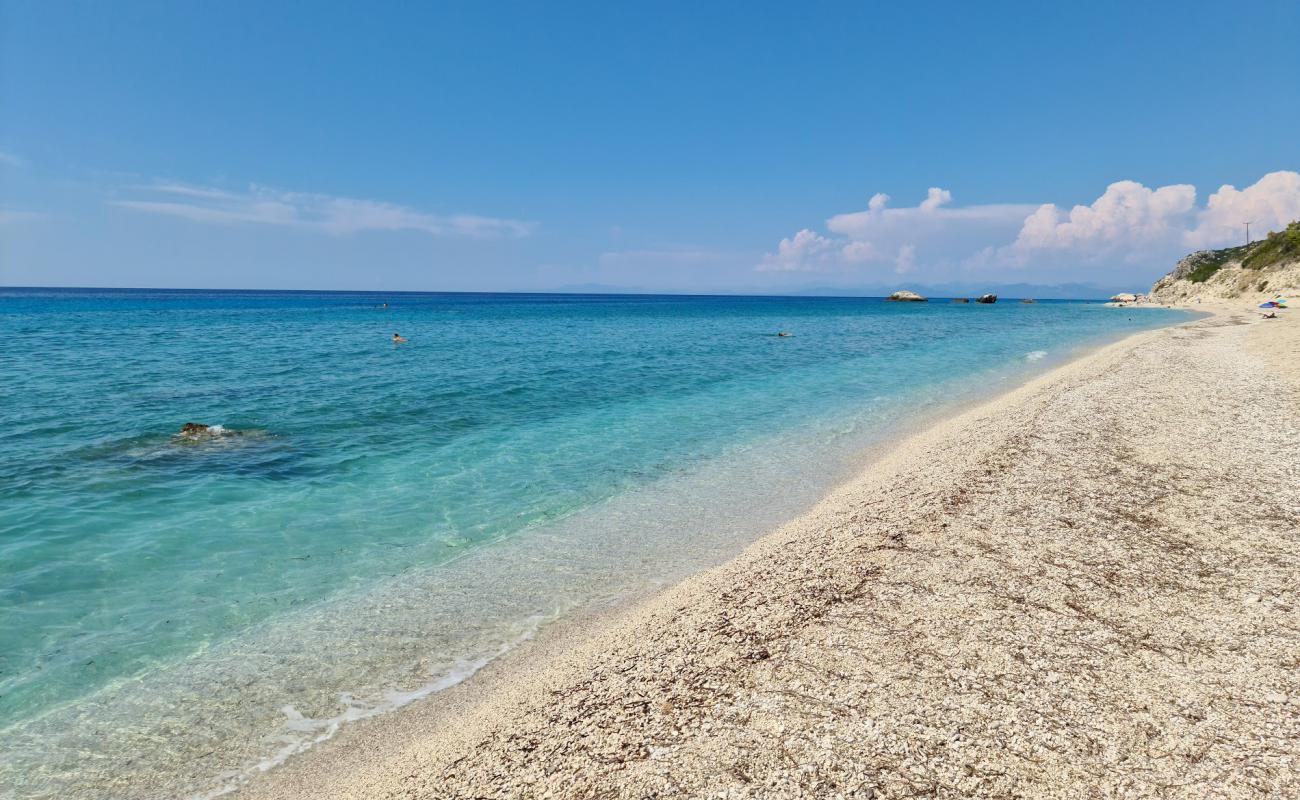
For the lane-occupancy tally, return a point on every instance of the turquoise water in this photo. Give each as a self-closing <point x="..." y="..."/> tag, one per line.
<point x="378" y="520"/>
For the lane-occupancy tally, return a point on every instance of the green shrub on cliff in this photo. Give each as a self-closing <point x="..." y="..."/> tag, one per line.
<point x="1214" y="261"/>
<point x="1275" y="248"/>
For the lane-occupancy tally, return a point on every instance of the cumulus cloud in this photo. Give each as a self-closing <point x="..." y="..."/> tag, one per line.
<point x="1134" y="223"/>
<point x="933" y="231"/>
<point x="325" y="213"/>
<point x="934" y="197"/>
<point x="859" y="252"/>
<point x="1128" y="224"/>
<point x="1268" y="204"/>
<point x="804" y="252"/>
<point x="1129" y="219"/>
<point x="905" y="261"/>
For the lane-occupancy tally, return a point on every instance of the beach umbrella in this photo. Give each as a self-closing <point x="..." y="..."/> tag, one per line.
<point x="1269" y="304"/>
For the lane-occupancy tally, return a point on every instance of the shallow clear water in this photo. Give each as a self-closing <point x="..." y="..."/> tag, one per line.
<point x="378" y="520"/>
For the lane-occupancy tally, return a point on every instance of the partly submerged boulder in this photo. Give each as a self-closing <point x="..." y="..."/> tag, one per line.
<point x="1028" y="300"/>
<point x="198" y="430"/>
<point x="906" y="297"/>
<point x="987" y="298"/>
<point x="196" y="434"/>
<point x="961" y="299"/>
<point x="1124" y="297"/>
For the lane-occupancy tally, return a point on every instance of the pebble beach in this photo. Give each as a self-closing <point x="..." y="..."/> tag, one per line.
<point x="1083" y="588"/>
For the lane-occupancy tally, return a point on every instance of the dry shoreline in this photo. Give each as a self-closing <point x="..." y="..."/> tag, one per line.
<point x="1084" y="587"/>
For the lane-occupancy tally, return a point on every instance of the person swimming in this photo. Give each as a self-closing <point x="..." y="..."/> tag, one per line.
<point x="782" y="333"/>
<point x="398" y="338"/>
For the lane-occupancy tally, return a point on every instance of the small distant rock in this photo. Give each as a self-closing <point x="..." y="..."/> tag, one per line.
<point x="987" y="298"/>
<point x="905" y="296"/>
<point x="1029" y="300"/>
<point x="961" y="299"/>
<point x="1124" y="298"/>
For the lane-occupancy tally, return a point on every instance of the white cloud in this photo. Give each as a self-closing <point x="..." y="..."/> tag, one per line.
<point x="1269" y="204"/>
<point x="859" y="252"/>
<point x="1130" y="226"/>
<point x="1129" y="220"/>
<point x="803" y="252"/>
<point x="934" y="197"/>
<point x="931" y="232"/>
<point x="1136" y="224"/>
<point x="906" y="260"/>
<point x="319" y="212"/>
<point x="11" y="160"/>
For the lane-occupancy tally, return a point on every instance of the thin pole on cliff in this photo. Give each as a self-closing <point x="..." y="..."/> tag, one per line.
<point x="1247" y="224"/>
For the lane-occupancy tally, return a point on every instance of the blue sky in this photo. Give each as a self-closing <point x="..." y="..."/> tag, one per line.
<point x="673" y="146"/>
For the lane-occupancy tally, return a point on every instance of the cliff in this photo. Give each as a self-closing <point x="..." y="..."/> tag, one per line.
<point x="1259" y="271"/>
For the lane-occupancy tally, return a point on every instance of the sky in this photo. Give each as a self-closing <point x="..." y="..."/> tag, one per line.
<point x="682" y="147"/>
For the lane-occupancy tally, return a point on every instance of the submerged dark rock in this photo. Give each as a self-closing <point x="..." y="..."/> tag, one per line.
<point x="961" y="300"/>
<point x="987" y="298"/>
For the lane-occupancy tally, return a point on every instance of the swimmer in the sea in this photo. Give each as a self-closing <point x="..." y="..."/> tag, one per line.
<point x="782" y="333"/>
<point x="398" y="338"/>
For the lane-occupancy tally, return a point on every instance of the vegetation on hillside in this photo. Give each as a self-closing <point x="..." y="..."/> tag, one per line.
<point x="1214" y="261"/>
<point x="1275" y="248"/>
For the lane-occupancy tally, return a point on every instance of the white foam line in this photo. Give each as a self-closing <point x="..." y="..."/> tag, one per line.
<point x="324" y="729"/>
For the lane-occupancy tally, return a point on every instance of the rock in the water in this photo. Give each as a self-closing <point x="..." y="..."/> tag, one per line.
<point x="198" y="430"/>
<point x="987" y="298"/>
<point x="906" y="297"/>
<point x="1029" y="300"/>
<point x="1124" y="298"/>
<point x="961" y="299"/>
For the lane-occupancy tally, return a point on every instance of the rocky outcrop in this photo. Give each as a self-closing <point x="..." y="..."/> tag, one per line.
<point x="987" y="299"/>
<point x="961" y="300"/>
<point x="905" y="296"/>
<point x="1256" y="272"/>
<point x="1124" y="297"/>
<point x="1227" y="281"/>
<point x="196" y="431"/>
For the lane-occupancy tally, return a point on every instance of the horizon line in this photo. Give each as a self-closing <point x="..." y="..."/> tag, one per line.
<point x="554" y="292"/>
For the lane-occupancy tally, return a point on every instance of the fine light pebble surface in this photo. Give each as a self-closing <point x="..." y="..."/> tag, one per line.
<point x="1086" y="588"/>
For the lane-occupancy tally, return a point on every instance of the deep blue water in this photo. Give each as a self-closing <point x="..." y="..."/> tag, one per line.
<point x="132" y="563"/>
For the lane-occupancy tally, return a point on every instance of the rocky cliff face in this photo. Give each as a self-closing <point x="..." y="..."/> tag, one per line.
<point x="1235" y="273"/>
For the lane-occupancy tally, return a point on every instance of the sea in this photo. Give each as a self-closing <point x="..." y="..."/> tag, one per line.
<point x="362" y="523"/>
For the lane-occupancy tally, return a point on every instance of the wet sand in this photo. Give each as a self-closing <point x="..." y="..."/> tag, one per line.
<point x="1083" y="588"/>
